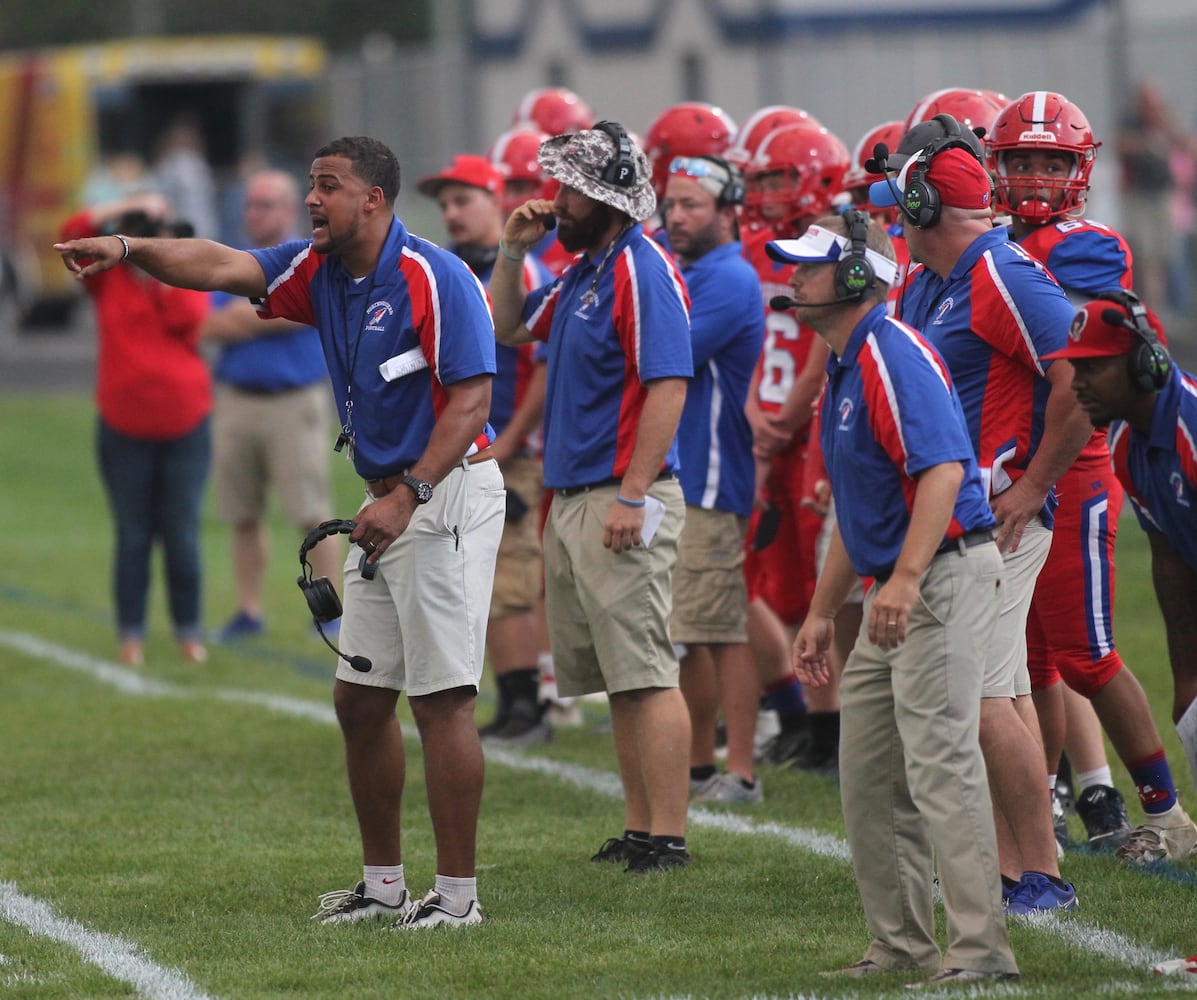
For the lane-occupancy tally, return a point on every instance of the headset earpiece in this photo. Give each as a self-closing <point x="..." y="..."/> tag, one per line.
<point x="921" y="202"/>
<point x="1149" y="361"/>
<point x="620" y="171"/>
<point x="854" y="275"/>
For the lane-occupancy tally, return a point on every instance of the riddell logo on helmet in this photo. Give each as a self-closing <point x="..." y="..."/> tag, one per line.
<point x="1037" y="137"/>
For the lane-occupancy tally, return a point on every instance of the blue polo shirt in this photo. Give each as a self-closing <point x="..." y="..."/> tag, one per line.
<point x="273" y="362"/>
<point x="1159" y="470"/>
<point x="726" y="332"/>
<point x="888" y="413"/>
<point x="421" y="313"/>
<point x="608" y="332"/>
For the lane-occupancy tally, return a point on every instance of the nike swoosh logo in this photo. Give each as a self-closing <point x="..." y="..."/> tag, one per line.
<point x="389" y="881"/>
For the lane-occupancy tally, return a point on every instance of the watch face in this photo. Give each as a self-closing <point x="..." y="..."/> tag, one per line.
<point x="422" y="489"/>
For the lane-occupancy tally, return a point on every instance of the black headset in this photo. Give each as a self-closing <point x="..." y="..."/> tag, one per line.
<point x="323" y="602"/>
<point x="921" y="202"/>
<point x="1150" y="363"/>
<point x="854" y="275"/>
<point x="621" y="171"/>
<point x="732" y="192"/>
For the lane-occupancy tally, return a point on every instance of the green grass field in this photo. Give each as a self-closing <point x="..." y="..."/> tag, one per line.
<point x="165" y="832"/>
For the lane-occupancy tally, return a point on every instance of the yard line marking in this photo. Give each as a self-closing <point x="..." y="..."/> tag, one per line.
<point x="113" y="954"/>
<point x="1082" y="936"/>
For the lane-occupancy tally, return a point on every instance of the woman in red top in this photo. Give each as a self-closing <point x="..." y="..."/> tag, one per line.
<point x="154" y="397"/>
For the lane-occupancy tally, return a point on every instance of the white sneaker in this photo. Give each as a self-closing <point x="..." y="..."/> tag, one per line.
<point x="347" y="906"/>
<point x="1170" y="836"/>
<point x="429" y="912"/>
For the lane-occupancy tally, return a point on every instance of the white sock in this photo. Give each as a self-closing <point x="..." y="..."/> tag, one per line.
<point x="456" y="893"/>
<point x="385" y="883"/>
<point x="1098" y="776"/>
<point x="1051" y="783"/>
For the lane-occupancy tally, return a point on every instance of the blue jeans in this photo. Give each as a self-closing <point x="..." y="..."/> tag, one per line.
<point x="155" y="490"/>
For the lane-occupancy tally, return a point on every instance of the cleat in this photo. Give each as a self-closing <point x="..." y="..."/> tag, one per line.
<point x="729" y="789"/>
<point x="785" y="746"/>
<point x="522" y="728"/>
<point x="617" y="850"/>
<point x="429" y="912"/>
<point x="1103" y="811"/>
<point x="347" y="906"/>
<point x="659" y="859"/>
<point x="1170" y="836"/>
<point x="1036" y="893"/>
<point x="1060" y="824"/>
<point x="1177" y="966"/>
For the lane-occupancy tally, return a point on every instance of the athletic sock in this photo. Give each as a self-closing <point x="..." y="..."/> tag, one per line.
<point x="1098" y="776"/>
<point x="638" y="836"/>
<point x="523" y="689"/>
<point x="385" y="883"/>
<point x="1055" y="880"/>
<point x="824" y="732"/>
<point x="703" y="772"/>
<point x="668" y="842"/>
<point x="1153" y="781"/>
<point x="456" y="893"/>
<point x="785" y="697"/>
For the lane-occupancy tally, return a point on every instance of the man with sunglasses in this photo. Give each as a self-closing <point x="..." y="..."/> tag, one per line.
<point x="710" y="598"/>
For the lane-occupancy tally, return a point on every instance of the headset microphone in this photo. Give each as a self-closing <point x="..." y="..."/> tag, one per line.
<point x="323" y="602"/>
<point x="879" y="164"/>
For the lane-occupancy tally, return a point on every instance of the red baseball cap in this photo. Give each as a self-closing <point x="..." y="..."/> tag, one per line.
<point x="1104" y="329"/>
<point x="465" y="168"/>
<point x="958" y="176"/>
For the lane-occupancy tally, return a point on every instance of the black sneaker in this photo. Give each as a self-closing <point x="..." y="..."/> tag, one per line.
<point x="785" y="746"/>
<point x="659" y="859"/>
<point x="616" y="850"/>
<point x="347" y="906"/>
<point x="1103" y="811"/>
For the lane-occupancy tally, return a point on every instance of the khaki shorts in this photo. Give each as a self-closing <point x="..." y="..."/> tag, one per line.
<point x="422" y="620"/>
<point x="1006" y="674"/>
<point x="519" y="573"/>
<point x="281" y="440"/>
<point x="710" y="597"/>
<point x="608" y="613"/>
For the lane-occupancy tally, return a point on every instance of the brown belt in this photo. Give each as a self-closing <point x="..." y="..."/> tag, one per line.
<point x="379" y="488"/>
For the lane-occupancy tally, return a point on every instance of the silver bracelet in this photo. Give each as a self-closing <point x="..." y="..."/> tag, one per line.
<point x="125" y="244"/>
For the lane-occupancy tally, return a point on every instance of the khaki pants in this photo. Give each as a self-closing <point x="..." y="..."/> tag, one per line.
<point x="912" y="778"/>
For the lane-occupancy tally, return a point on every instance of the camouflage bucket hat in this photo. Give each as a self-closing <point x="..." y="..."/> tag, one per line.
<point x="578" y="160"/>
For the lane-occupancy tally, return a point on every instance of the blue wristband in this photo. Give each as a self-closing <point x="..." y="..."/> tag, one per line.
<point x="629" y="503"/>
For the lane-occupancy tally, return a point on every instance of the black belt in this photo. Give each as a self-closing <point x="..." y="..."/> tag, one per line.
<point x="966" y="541"/>
<point x="573" y="491"/>
<point x="263" y="390"/>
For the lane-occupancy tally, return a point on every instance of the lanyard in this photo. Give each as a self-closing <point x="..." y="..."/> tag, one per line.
<point x="346" y="437"/>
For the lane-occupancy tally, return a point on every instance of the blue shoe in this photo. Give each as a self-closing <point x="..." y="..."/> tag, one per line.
<point x="1036" y="893"/>
<point x="241" y="626"/>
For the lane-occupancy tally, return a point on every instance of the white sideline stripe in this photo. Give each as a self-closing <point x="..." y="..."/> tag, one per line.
<point x="1084" y="937"/>
<point x="114" y="955"/>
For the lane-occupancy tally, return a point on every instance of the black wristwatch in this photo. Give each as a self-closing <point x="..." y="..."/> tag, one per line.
<point x="422" y="489"/>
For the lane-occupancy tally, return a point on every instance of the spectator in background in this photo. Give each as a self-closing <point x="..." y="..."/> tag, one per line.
<point x="272" y="417"/>
<point x="180" y="170"/>
<point x="154" y="397"/>
<point x="1145" y="144"/>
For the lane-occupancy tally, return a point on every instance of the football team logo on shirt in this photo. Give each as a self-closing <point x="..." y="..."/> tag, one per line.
<point x="376" y="315"/>
<point x="1178" y="487"/>
<point x="847" y="412"/>
<point x="944" y="308"/>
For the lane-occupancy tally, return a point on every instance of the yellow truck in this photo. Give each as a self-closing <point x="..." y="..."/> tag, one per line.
<point x="70" y="111"/>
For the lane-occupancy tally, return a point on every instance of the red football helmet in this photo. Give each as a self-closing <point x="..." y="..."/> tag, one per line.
<point x="553" y="110"/>
<point x="514" y="153"/>
<point x="796" y="173"/>
<point x="1047" y="121"/>
<point x="858" y="178"/>
<point x="972" y="108"/>
<point x="692" y="129"/>
<point x="752" y="132"/>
